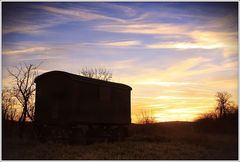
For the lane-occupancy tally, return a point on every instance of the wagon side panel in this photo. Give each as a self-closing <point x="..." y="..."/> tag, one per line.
<point x="53" y="100"/>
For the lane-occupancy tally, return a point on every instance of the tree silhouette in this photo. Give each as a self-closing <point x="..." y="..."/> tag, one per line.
<point x="224" y="105"/>
<point x="97" y="73"/>
<point x="146" y="117"/>
<point x="8" y="105"/>
<point x="24" y="89"/>
<point x="224" y="119"/>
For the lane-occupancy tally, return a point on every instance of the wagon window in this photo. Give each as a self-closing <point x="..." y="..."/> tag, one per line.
<point x="105" y="93"/>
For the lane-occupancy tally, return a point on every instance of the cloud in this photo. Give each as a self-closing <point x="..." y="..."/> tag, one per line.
<point x="39" y="58"/>
<point x="36" y="19"/>
<point x="209" y="35"/>
<point x="184" y="45"/>
<point x="24" y="27"/>
<point x="198" y="39"/>
<point x="225" y="41"/>
<point x="192" y="75"/>
<point x="169" y="19"/>
<point x="192" y="110"/>
<point x="127" y="43"/>
<point x="30" y="23"/>
<point x="179" y="98"/>
<point x="165" y="84"/>
<point x="223" y="83"/>
<point x="82" y="14"/>
<point x="122" y="64"/>
<point x="26" y="50"/>
<point x="32" y="52"/>
<point x="141" y="28"/>
<point x="187" y="64"/>
<point x="126" y="10"/>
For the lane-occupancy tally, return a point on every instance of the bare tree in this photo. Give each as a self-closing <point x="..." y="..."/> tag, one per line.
<point x="31" y="108"/>
<point x="24" y="89"/>
<point x="9" y="111"/>
<point x="146" y="117"/>
<point x="233" y="108"/>
<point x="8" y="105"/>
<point x="211" y="115"/>
<point x="223" y="104"/>
<point x="224" y="108"/>
<point x="97" y="73"/>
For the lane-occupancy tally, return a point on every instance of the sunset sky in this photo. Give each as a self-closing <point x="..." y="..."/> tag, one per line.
<point x="175" y="56"/>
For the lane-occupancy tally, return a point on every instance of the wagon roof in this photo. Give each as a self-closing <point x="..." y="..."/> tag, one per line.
<point x="81" y="79"/>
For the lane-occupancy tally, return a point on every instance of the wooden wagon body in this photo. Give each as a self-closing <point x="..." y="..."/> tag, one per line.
<point x="65" y="99"/>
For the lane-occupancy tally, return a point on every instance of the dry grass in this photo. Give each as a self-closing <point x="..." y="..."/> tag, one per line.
<point x="159" y="141"/>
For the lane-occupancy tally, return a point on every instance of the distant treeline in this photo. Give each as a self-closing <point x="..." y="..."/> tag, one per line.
<point x="224" y="119"/>
<point x="229" y="124"/>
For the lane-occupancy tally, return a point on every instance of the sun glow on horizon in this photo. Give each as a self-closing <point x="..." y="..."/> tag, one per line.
<point x="170" y="109"/>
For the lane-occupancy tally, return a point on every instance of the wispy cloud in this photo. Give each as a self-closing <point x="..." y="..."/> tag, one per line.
<point x="165" y="84"/>
<point x="199" y="39"/>
<point x="50" y="17"/>
<point x="123" y="64"/>
<point x="26" y="23"/>
<point x="82" y="14"/>
<point x="25" y="27"/>
<point x="143" y="28"/>
<point x="57" y="49"/>
<point x="24" y="51"/>
<point x="179" y="98"/>
<point x="123" y="9"/>
<point x="224" y="40"/>
<point x="209" y="35"/>
<point x="184" y="45"/>
<point x="127" y="43"/>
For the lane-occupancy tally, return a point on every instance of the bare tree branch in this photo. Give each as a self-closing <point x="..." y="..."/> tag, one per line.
<point x="24" y="88"/>
<point x="97" y="73"/>
<point x="8" y="104"/>
<point x="223" y="103"/>
<point x="146" y="117"/>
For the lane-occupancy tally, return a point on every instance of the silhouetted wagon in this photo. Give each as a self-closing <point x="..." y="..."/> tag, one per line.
<point x="73" y="106"/>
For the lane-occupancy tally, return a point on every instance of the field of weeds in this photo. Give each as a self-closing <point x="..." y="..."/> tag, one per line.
<point x="163" y="141"/>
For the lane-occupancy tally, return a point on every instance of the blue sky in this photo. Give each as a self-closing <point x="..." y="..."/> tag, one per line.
<point x="176" y="56"/>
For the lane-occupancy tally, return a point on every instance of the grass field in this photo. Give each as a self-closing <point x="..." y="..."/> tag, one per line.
<point x="163" y="141"/>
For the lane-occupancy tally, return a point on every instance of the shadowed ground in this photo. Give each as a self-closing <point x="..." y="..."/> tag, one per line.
<point x="172" y="140"/>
